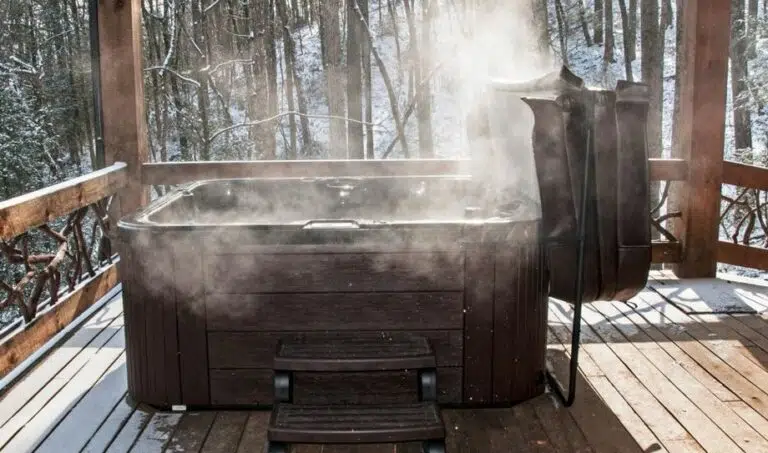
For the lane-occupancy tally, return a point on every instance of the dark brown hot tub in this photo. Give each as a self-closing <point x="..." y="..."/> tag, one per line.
<point x="216" y="272"/>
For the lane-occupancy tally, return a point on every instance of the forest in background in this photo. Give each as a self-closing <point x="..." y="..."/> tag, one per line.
<point x="266" y="79"/>
<point x="307" y="79"/>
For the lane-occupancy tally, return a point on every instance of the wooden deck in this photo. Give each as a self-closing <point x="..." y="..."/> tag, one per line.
<point x="652" y="379"/>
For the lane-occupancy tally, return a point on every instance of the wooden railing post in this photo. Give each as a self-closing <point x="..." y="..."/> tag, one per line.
<point x="122" y="89"/>
<point x="706" y="38"/>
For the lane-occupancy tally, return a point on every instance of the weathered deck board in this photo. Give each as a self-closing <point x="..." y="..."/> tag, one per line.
<point x="653" y="379"/>
<point x="79" y="345"/>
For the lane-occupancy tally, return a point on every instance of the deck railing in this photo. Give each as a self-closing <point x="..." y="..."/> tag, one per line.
<point x="58" y="238"/>
<point x="744" y="217"/>
<point x="55" y="244"/>
<point x="172" y="173"/>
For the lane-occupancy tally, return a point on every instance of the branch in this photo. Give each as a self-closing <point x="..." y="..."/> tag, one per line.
<point x="411" y="108"/>
<point x="387" y="80"/>
<point x="224" y="63"/>
<point x="280" y="115"/>
<point x="212" y="5"/>
<point x="174" y="72"/>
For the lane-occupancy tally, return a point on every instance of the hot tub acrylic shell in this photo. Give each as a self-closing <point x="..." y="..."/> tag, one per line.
<point x="205" y="301"/>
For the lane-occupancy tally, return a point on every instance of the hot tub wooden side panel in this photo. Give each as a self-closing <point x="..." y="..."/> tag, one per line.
<point x="253" y="387"/>
<point x="519" y="324"/>
<point x="193" y="341"/>
<point x="478" y="325"/>
<point x="149" y="303"/>
<point x="254" y="299"/>
<point x="404" y="271"/>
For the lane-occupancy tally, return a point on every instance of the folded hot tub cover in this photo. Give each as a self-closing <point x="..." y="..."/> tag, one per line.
<point x="568" y="120"/>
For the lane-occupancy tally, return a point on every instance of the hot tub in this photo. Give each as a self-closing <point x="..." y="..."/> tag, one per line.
<point x="217" y="271"/>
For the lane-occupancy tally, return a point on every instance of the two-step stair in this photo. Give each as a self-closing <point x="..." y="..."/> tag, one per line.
<point x="355" y="424"/>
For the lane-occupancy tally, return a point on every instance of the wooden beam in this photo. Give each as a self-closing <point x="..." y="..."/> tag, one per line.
<point x="742" y="255"/>
<point x="19" y="214"/>
<point x="666" y="252"/>
<point x="668" y="169"/>
<point x="122" y="92"/>
<point x="706" y="39"/>
<point x="183" y="172"/>
<point x="29" y="338"/>
<point x="743" y="175"/>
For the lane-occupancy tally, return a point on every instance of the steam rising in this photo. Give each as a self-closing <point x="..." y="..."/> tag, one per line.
<point x="499" y="44"/>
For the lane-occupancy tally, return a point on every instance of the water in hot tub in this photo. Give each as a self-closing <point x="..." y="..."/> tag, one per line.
<point x="297" y="201"/>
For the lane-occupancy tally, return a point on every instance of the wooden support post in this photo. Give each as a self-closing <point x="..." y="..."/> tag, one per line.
<point x="706" y="38"/>
<point x="122" y="89"/>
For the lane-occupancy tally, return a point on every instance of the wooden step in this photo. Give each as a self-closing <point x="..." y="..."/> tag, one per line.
<point x="358" y="352"/>
<point x="292" y="423"/>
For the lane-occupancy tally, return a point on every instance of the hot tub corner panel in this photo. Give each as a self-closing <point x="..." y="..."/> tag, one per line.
<point x="166" y="352"/>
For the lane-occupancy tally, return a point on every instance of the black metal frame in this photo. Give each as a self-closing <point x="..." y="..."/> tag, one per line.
<point x="558" y="388"/>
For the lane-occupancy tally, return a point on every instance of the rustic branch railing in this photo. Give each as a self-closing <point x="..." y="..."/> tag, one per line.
<point x="55" y="244"/>
<point x="744" y="216"/>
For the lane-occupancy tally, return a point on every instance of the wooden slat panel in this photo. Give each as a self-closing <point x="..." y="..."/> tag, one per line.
<point x="191" y="316"/>
<point x="19" y="214"/>
<point x="63" y="361"/>
<point x="519" y="325"/>
<point x="157" y="433"/>
<point x="478" y="326"/>
<point x="743" y="175"/>
<point x="684" y="381"/>
<point x="653" y="414"/>
<point x="50" y="322"/>
<point x="742" y="255"/>
<point x="335" y="311"/>
<point x="181" y="172"/>
<point x="242" y="274"/>
<point x="48" y="417"/>
<point x="225" y="433"/>
<point x="667" y="169"/>
<point x="257" y="349"/>
<point x="130" y="431"/>
<point x="86" y="417"/>
<point x="254" y="387"/>
<point x="112" y="425"/>
<point x="191" y="431"/>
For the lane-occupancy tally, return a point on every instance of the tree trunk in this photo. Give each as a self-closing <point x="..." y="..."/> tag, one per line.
<point x="562" y="30"/>
<point x="609" y="39"/>
<point x="270" y="146"/>
<point x="666" y="15"/>
<point x="366" y="48"/>
<point x="742" y="123"/>
<point x="584" y="25"/>
<point x="754" y="31"/>
<point x="632" y="29"/>
<point x="335" y="80"/>
<point x="293" y="85"/>
<point x="598" y="21"/>
<point x="424" y="113"/>
<point x="626" y="40"/>
<point x="355" y="146"/>
<point x="541" y="21"/>
<point x="201" y="65"/>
